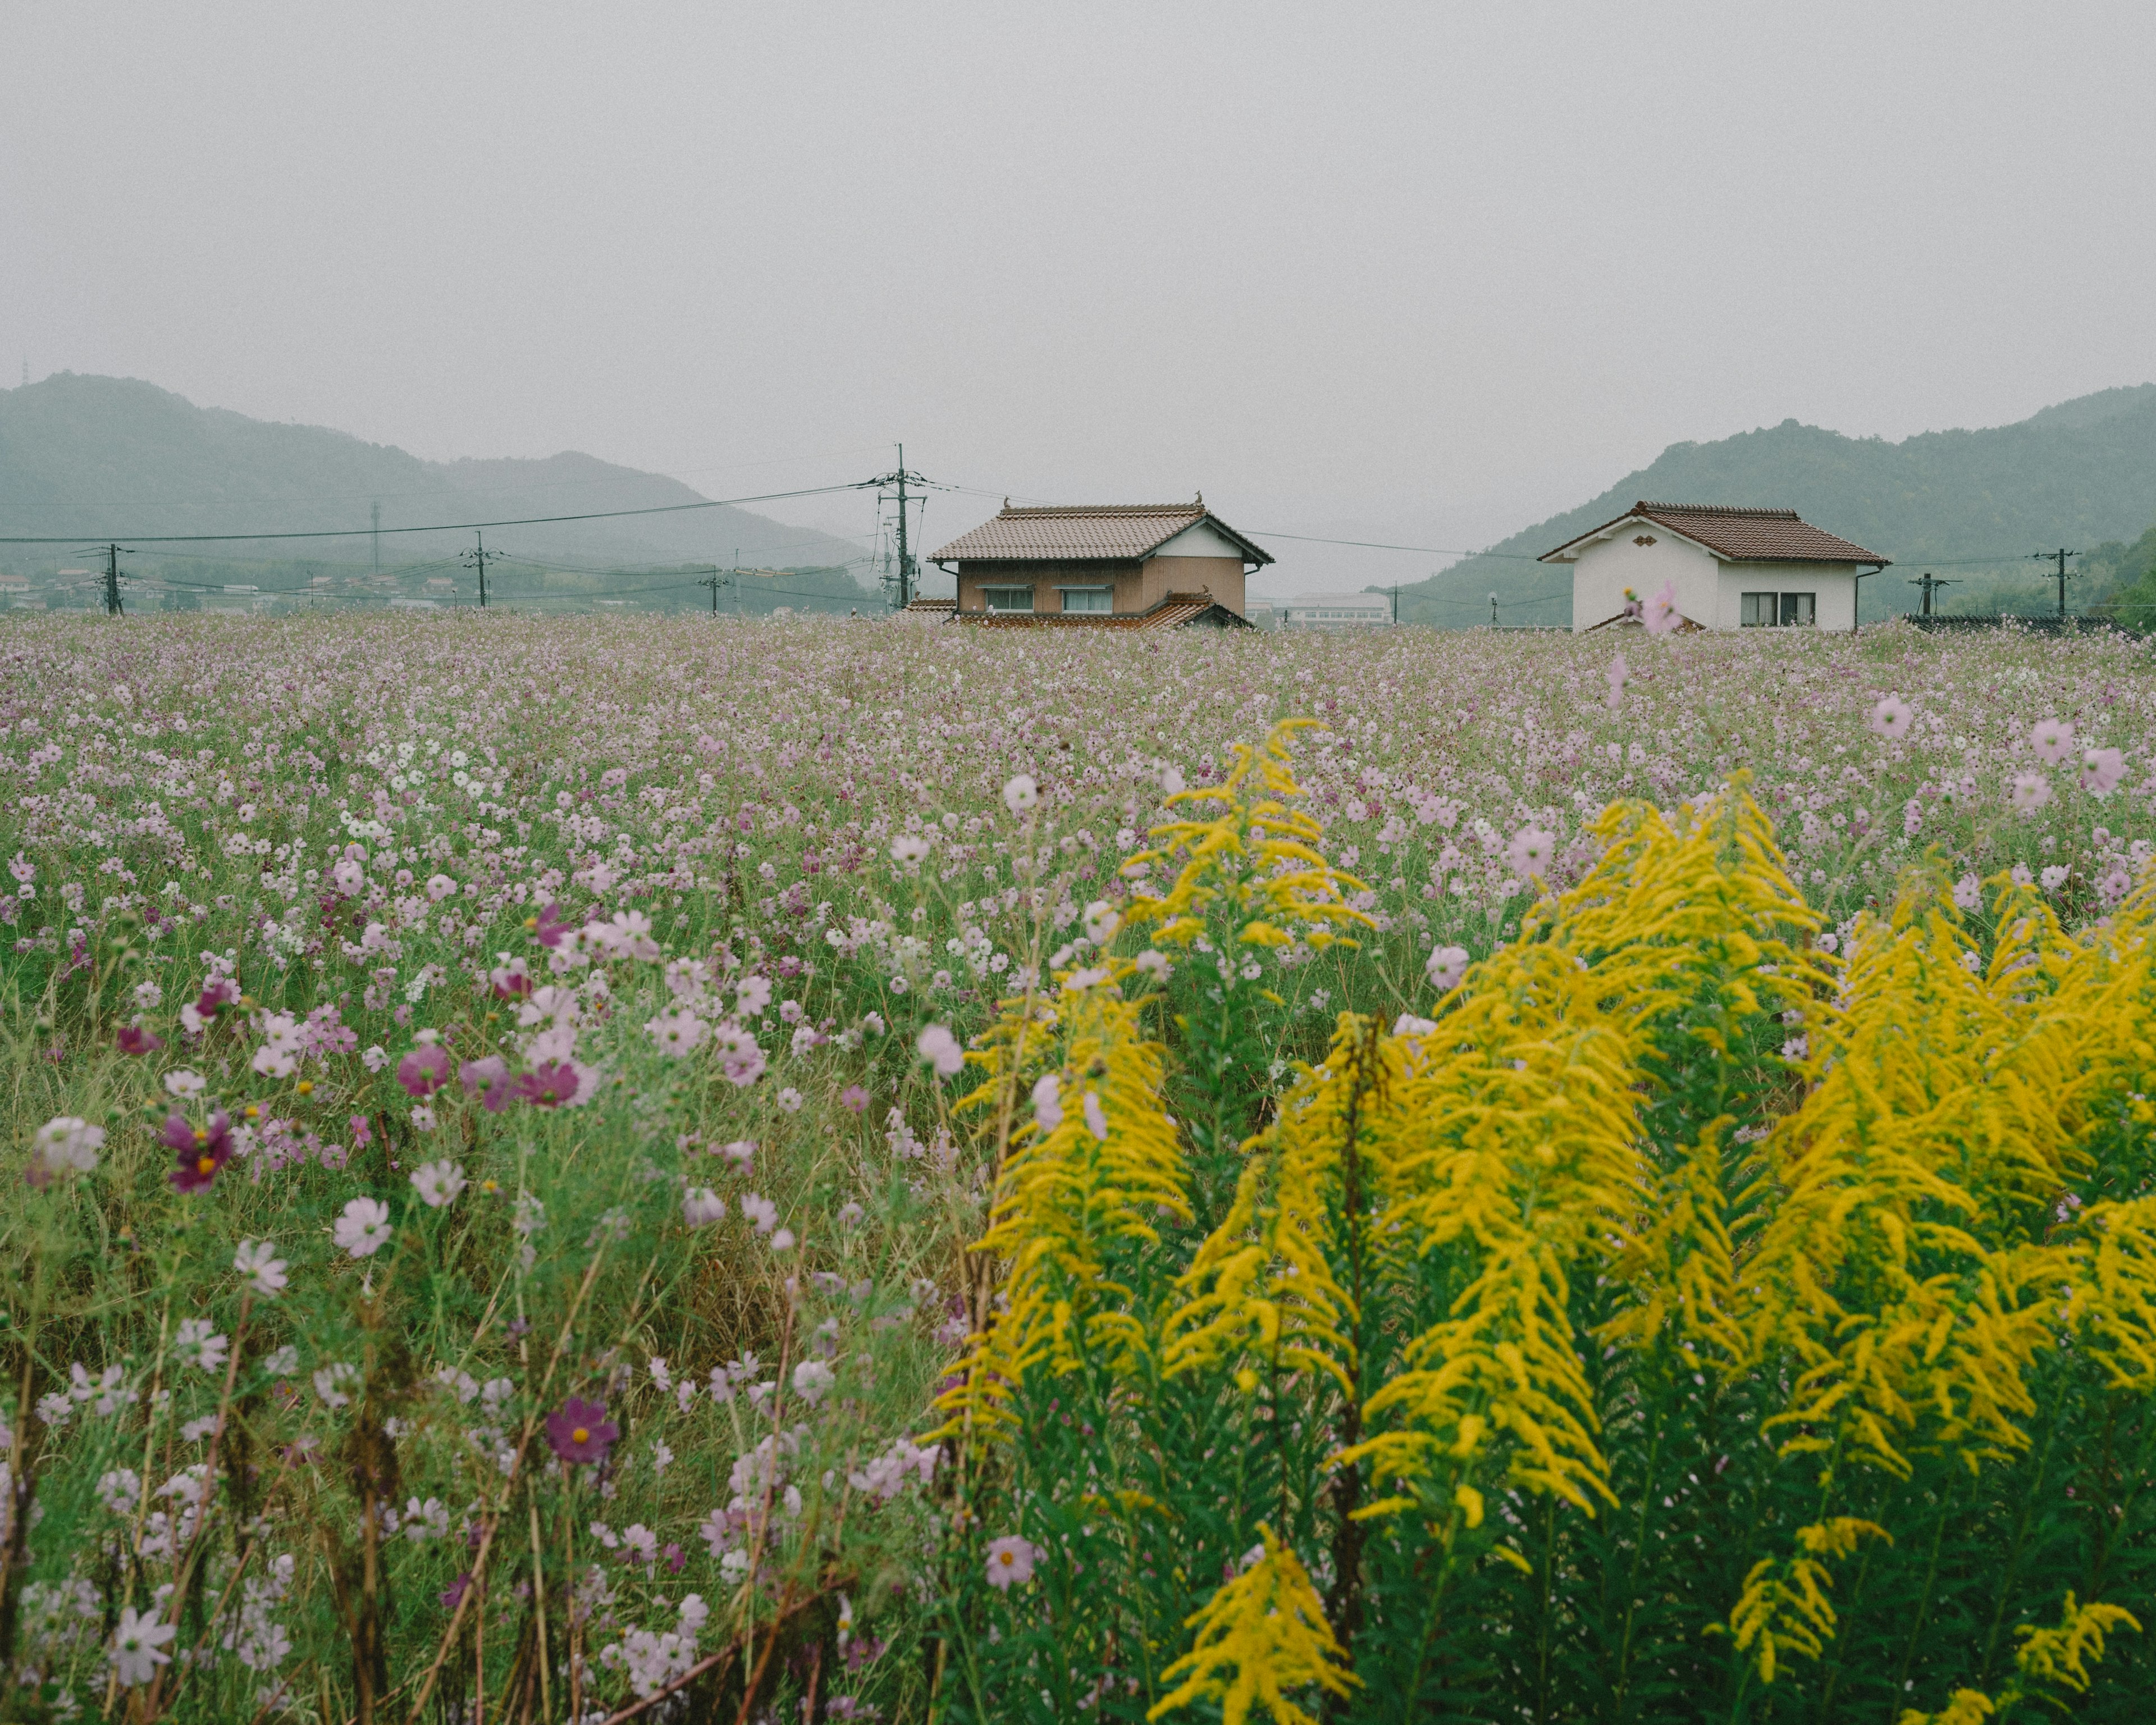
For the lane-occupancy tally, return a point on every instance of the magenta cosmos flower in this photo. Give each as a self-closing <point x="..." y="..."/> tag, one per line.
<point x="424" y="1070"/>
<point x="548" y="927"/>
<point x="134" y="1039"/>
<point x="548" y="1084"/>
<point x="580" y="1431"/>
<point x="202" y="1150"/>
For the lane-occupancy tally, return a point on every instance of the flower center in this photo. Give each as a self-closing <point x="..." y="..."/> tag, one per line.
<point x="206" y="1165"/>
<point x="580" y="1436"/>
<point x="1005" y="1558"/>
<point x="202" y="1137"/>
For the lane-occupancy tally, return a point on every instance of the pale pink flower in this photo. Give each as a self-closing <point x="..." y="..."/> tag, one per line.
<point x="1659" y="612"/>
<point x="2101" y="769"/>
<point x="1010" y="1562"/>
<point x="1892" y="717"/>
<point x="938" y="1047"/>
<point x="2031" y="791"/>
<point x="1530" y="851"/>
<point x="2051" y="738"/>
<point x="363" y="1229"/>
<point x="1445" y="967"/>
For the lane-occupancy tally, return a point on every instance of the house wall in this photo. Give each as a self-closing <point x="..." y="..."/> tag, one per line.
<point x="1606" y="568"/>
<point x="1220" y="575"/>
<point x="1709" y="590"/>
<point x="1201" y="540"/>
<point x="1834" y="587"/>
<point x="1137" y="587"/>
<point x="1044" y="578"/>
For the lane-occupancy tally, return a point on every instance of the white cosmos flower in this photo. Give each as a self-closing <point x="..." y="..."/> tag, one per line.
<point x="363" y="1229"/>
<point x="257" y="1260"/>
<point x="439" y="1183"/>
<point x="1021" y="793"/>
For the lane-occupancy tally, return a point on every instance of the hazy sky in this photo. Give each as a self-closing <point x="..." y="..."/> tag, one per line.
<point x="1427" y="272"/>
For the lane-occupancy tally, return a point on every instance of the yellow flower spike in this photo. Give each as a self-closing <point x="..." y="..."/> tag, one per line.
<point x="1261" y="1636"/>
<point x="1070" y="1204"/>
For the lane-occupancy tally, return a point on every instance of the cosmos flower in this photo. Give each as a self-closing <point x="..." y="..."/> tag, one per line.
<point x="1102" y="921"/>
<point x="438" y="1182"/>
<point x="550" y="1084"/>
<point x="256" y="1260"/>
<point x="138" y="1646"/>
<point x="1020" y="793"/>
<point x="363" y="1229"/>
<point x="67" y="1144"/>
<point x="2053" y="740"/>
<point x="2101" y="769"/>
<point x="1659" y="612"/>
<point x="424" y="1070"/>
<point x="1530" y="851"/>
<point x="937" y="1045"/>
<point x="813" y="1380"/>
<point x="1010" y="1562"/>
<point x="134" y="1039"/>
<point x="909" y="849"/>
<point x="2030" y="792"/>
<point x="1445" y="967"/>
<point x="203" y="1150"/>
<point x="580" y="1431"/>
<point x="1048" y="1102"/>
<point x="1892" y="717"/>
<point x="701" y="1206"/>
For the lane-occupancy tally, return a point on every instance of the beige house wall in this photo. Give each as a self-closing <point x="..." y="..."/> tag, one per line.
<point x="1137" y="587"/>
<point x="1221" y="576"/>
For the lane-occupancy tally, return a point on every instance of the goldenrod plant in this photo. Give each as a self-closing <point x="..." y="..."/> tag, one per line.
<point x="1688" y="1314"/>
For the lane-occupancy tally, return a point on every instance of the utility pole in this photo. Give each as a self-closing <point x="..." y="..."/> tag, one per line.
<point x="1396" y="604"/>
<point x="479" y="559"/>
<point x="1931" y="583"/>
<point x="1493" y="610"/>
<point x="714" y="581"/>
<point x="908" y="571"/>
<point x="113" y="607"/>
<point x="378" y="536"/>
<point x="2062" y="554"/>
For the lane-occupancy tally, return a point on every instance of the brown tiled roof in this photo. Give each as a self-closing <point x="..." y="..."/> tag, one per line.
<point x="1114" y="533"/>
<point x="1178" y="610"/>
<point x="1738" y="536"/>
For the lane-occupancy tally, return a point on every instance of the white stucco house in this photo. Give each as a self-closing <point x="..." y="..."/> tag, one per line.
<point x="1730" y="568"/>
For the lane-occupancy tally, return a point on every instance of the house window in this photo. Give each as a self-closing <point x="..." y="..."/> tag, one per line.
<point x="1088" y="599"/>
<point x="1007" y="598"/>
<point x="1779" y="610"/>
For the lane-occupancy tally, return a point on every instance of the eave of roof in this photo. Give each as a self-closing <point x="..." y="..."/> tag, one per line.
<point x="1778" y="536"/>
<point x="1116" y="533"/>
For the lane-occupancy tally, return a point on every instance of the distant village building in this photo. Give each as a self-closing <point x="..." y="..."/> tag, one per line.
<point x="1340" y="610"/>
<point x="1730" y="568"/>
<point x="1148" y="565"/>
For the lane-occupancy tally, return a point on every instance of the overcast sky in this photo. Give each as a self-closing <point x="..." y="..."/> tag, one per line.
<point x="1428" y="272"/>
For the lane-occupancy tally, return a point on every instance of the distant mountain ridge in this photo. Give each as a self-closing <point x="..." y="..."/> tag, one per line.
<point x="2079" y="473"/>
<point x="99" y="455"/>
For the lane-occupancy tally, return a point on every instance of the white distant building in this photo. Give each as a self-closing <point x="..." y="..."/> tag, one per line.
<point x="1340" y="610"/>
<point x="1730" y="568"/>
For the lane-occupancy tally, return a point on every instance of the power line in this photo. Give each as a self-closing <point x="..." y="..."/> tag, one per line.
<point x="533" y="520"/>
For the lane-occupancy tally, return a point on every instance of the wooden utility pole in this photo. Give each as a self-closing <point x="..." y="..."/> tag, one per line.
<point x="2062" y="554"/>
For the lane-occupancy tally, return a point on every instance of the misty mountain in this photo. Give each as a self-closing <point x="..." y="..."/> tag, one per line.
<point x="107" y="457"/>
<point x="1969" y="504"/>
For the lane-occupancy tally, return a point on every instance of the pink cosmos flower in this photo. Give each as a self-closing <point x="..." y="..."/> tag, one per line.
<point x="853" y="1099"/>
<point x="1892" y="717"/>
<point x="2051" y="739"/>
<point x="1048" y="1102"/>
<point x="547" y="927"/>
<point x="2031" y="791"/>
<point x="202" y="1151"/>
<point x="363" y="1133"/>
<point x="1010" y="1562"/>
<point x="2101" y="769"/>
<point x="1618" y="674"/>
<point x="1659" y="612"/>
<point x="580" y="1431"/>
<point x="424" y="1070"/>
<point x="1096" y="1116"/>
<point x="134" y="1039"/>
<point x="487" y="1078"/>
<point x="549" y="1085"/>
<point x="938" y="1047"/>
<point x="1530" y="851"/>
<point x="1445" y="967"/>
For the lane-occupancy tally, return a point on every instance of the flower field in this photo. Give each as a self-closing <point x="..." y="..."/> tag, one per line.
<point x="606" y="1167"/>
